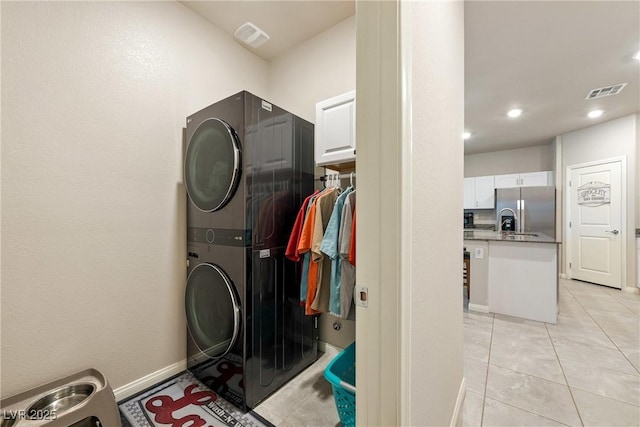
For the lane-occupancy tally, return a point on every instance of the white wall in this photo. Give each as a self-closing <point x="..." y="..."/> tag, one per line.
<point x="638" y="174"/>
<point x="320" y="68"/>
<point x="527" y="159"/>
<point x="94" y="98"/>
<point x="437" y="97"/>
<point x="615" y="138"/>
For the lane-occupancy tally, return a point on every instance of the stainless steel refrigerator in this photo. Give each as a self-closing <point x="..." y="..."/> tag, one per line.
<point x="534" y="208"/>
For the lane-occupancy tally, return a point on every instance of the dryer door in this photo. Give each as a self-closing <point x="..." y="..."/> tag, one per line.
<point x="213" y="313"/>
<point x="212" y="165"/>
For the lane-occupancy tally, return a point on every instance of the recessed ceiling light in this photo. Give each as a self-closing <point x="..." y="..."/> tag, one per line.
<point x="466" y="135"/>
<point x="595" y="113"/>
<point x="514" y="113"/>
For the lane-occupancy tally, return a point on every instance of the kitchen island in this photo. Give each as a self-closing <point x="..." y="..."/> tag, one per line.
<point x="519" y="273"/>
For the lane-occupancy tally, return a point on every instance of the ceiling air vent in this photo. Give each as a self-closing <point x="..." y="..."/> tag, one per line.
<point x="250" y="34"/>
<point x="606" y="91"/>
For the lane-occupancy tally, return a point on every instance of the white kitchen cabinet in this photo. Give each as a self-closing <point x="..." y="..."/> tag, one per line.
<point x="507" y="181"/>
<point x="469" y="193"/>
<point x="530" y="179"/>
<point x="335" y="130"/>
<point x="536" y="179"/>
<point x="479" y="192"/>
<point x="523" y="280"/>
<point x="485" y="194"/>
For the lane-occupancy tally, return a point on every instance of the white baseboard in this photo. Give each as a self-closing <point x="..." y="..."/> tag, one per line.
<point x="631" y="289"/>
<point x="147" y="381"/>
<point x="479" y="308"/>
<point x="457" y="410"/>
<point x="563" y="276"/>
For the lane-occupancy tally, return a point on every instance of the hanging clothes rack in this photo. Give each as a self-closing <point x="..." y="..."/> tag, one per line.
<point x="328" y="289"/>
<point x="328" y="177"/>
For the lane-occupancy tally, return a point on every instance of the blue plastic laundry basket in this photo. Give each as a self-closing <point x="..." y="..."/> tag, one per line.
<point x="341" y="373"/>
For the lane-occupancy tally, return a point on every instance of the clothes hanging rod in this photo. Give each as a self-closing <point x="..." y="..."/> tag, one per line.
<point x="340" y="176"/>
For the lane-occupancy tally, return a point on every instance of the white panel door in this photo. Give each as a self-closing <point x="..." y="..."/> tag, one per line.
<point x="507" y="181"/>
<point x="595" y="231"/>
<point x="485" y="192"/>
<point x="469" y="193"/>
<point x="534" y="179"/>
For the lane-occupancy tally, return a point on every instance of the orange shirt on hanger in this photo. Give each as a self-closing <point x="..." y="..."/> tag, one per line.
<point x="306" y="239"/>
<point x="294" y="239"/>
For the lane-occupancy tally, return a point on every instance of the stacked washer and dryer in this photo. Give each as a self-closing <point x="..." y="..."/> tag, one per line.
<point x="248" y="168"/>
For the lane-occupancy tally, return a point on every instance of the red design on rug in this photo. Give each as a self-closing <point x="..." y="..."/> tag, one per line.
<point x="164" y="407"/>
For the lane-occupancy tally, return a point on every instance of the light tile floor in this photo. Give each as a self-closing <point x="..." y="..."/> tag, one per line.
<point x="582" y="371"/>
<point x="306" y="400"/>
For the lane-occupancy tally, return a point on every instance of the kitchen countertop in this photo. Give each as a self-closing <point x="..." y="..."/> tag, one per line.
<point x="482" y="227"/>
<point x="506" y="237"/>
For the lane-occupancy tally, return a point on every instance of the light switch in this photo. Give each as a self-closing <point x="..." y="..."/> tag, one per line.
<point x="479" y="252"/>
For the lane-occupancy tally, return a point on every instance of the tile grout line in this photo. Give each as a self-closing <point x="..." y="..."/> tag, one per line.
<point x="607" y="335"/>
<point x="633" y="314"/>
<point x="619" y="292"/>
<point x="528" y="411"/>
<point x="576" y="298"/>
<point x="607" y="291"/>
<point x="530" y="375"/>
<point x="573" y="399"/>
<point x="613" y="370"/>
<point x="486" y="377"/>
<point x="557" y="383"/>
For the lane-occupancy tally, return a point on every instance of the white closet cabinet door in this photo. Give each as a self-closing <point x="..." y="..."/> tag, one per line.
<point x="469" y="193"/>
<point x="335" y="130"/>
<point x="507" y="181"/>
<point x="485" y="192"/>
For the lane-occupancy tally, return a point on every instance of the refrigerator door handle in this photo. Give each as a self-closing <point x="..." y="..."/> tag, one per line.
<point x="522" y="221"/>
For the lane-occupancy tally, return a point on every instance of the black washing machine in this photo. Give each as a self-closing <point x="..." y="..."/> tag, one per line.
<point x="248" y="168"/>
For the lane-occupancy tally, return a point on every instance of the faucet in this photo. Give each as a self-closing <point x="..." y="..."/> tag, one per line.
<point x="500" y="224"/>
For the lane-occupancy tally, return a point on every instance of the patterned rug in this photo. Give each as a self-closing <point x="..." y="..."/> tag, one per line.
<point x="184" y="401"/>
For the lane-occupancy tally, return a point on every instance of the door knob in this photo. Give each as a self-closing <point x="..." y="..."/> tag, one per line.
<point x="612" y="231"/>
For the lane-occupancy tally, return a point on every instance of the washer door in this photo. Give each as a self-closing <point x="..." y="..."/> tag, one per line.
<point x="212" y="165"/>
<point x="213" y="313"/>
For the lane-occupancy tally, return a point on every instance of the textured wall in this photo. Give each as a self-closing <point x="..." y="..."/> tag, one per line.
<point x="320" y="68"/>
<point x="94" y="98"/>
<point x="437" y="96"/>
<point x="615" y="138"/>
<point x="528" y="159"/>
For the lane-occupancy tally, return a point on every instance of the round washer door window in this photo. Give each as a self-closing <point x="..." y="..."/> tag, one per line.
<point x="213" y="313"/>
<point x="212" y="165"/>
